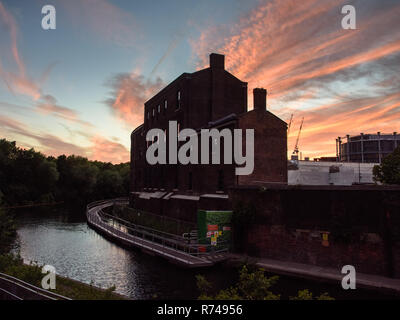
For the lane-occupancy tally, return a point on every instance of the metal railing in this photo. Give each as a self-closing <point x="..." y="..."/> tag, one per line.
<point x="190" y="245"/>
<point x="28" y="289"/>
<point x="132" y="232"/>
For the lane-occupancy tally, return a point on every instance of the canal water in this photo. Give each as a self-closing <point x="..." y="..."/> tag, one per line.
<point x="60" y="237"/>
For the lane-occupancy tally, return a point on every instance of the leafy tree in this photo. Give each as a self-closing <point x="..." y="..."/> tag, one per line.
<point x="7" y="231"/>
<point x="388" y="172"/>
<point x="251" y="286"/>
<point x="109" y="184"/>
<point x="78" y="177"/>
<point x="28" y="176"/>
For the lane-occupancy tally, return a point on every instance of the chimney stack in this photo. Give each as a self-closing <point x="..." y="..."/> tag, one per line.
<point x="217" y="61"/>
<point x="260" y="99"/>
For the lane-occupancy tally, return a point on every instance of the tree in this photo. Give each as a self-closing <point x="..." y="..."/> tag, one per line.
<point x="7" y="230"/>
<point x="251" y="286"/>
<point x="29" y="177"/>
<point x="388" y="172"/>
<point x="109" y="184"/>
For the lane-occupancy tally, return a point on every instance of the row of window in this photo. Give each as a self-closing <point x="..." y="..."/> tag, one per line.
<point x="158" y="109"/>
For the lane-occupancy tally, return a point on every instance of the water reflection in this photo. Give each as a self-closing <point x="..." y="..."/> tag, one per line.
<point x="61" y="238"/>
<point x="55" y="237"/>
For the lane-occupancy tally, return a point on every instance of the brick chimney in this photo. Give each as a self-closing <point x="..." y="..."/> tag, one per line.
<point x="260" y="99"/>
<point x="217" y="61"/>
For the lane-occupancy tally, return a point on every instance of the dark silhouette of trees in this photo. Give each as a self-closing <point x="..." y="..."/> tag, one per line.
<point x="388" y="172"/>
<point x="28" y="177"/>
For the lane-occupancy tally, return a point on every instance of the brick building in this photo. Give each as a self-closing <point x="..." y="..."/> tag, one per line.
<point x="209" y="98"/>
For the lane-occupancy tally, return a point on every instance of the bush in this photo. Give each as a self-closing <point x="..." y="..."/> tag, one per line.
<point x="251" y="286"/>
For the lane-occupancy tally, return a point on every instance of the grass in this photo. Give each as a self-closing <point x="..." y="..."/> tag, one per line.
<point x="73" y="289"/>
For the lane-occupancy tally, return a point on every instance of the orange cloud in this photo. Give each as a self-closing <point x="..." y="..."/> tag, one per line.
<point x="108" y="151"/>
<point x="47" y="143"/>
<point x="48" y="105"/>
<point x="100" y="148"/>
<point x="128" y="95"/>
<point x="304" y="58"/>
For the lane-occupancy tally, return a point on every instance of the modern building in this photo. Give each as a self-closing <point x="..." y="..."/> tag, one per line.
<point x="366" y="147"/>
<point x="209" y="98"/>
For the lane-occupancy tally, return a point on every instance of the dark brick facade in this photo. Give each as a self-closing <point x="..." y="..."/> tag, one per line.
<point x="362" y="224"/>
<point x="209" y="98"/>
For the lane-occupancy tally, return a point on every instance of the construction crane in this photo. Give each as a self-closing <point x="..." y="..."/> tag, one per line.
<point x="290" y="123"/>
<point x="296" y="147"/>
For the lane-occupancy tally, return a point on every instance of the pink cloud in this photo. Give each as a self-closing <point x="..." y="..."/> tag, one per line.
<point x="298" y="52"/>
<point x="17" y="82"/>
<point x="108" y="151"/>
<point x="128" y="95"/>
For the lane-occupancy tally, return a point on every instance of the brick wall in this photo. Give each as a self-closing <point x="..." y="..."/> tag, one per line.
<point x="290" y="222"/>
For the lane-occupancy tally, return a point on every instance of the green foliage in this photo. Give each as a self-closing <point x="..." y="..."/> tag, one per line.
<point x="28" y="177"/>
<point x="204" y="287"/>
<point x="251" y="286"/>
<point x="307" y="295"/>
<point x="255" y="285"/>
<point x="388" y="172"/>
<point x="7" y="231"/>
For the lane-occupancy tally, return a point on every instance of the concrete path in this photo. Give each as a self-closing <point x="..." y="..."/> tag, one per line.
<point x="306" y="271"/>
<point x="160" y="249"/>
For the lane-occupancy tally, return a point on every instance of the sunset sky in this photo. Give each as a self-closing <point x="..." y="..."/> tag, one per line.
<point x="80" y="89"/>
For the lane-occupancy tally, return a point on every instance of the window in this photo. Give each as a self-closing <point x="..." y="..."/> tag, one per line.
<point x="178" y="98"/>
<point x="153" y="112"/>
<point x="148" y="115"/>
<point x="159" y="108"/>
<point x="165" y="104"/>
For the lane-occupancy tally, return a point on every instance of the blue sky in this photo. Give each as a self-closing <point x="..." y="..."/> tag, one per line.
<point x="80" y="88"/>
